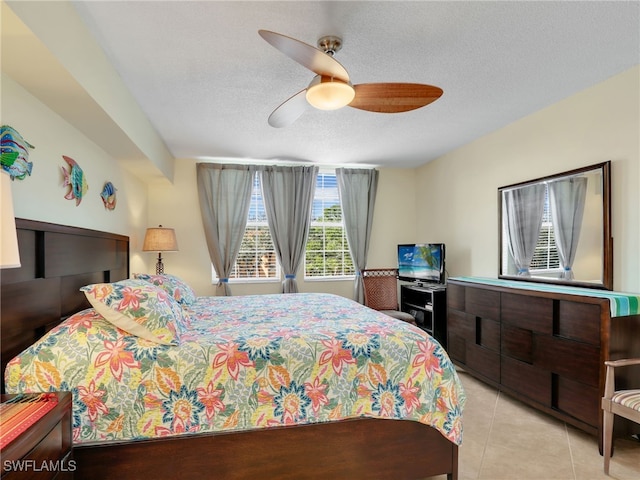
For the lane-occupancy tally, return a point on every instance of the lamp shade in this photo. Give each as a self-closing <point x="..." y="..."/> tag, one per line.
<point x="9" y="253"/>
<point x="160" y="239"/>
<point x="328" y="93"/>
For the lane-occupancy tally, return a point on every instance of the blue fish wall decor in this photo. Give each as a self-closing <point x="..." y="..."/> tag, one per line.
<point x="109" y="196"/>
<point x="14" y="155"/>
<point x="74" y="179"/>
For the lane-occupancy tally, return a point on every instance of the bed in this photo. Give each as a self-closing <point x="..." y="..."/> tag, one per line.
<point x="240" y="387"/>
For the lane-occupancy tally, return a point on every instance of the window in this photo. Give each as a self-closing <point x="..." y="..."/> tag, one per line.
<point x="327" y="252"/>
<point x="257" y="258"/>
<point x="545" y="257"/>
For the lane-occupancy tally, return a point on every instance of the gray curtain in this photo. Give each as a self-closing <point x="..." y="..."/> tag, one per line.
<point x="357" y="189"/>
<point x="288" y="198"/>
<point x="523" y="209"/>
<point x="225" y="194"/>
<point x="566" y="202"/>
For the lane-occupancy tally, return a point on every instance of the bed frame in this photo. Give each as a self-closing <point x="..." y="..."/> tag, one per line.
<point x="57" y="260"/>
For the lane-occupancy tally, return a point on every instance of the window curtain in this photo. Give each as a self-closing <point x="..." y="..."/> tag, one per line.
<point x="566" y="202"/>
<point x="523" y="209"/>
<point x="225" y="194"/>
<point x="357" y="189"/>
<point x="288" y="198"/>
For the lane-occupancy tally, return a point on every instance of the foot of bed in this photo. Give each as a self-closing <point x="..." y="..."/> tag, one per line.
<point x="382" y="448"/>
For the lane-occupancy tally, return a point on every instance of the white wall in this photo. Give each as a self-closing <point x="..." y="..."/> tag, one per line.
<point x="599" y="124"/>
<point x="177" y="206"/>
<point x="41" y="195"/>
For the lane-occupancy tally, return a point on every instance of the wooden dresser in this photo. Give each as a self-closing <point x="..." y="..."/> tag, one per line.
<point x="545" y="346"/>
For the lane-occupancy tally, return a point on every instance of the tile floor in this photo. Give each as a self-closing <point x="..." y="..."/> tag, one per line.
<point x="505" y="439"/>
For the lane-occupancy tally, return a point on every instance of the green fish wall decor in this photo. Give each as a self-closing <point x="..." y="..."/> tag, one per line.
<point x="74" y="179"/>
<point x="14" y="155"/>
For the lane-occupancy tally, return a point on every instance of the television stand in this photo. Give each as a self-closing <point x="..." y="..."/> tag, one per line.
<point x="428" y="304"/>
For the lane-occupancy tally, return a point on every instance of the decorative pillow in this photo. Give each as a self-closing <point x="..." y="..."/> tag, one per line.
<point x="176" y="287"/>
<point x="139" y="308"/>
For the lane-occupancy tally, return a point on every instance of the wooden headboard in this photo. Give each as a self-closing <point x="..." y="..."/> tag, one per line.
<point x="56" y="261"/>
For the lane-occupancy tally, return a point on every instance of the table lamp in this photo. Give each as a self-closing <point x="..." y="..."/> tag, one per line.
<point x="160" y="239"/>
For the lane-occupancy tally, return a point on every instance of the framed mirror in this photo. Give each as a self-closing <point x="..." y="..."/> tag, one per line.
<point x="557" y="229"/>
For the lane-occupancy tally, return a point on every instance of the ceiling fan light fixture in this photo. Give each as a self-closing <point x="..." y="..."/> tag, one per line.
<point x="329" y="93"/>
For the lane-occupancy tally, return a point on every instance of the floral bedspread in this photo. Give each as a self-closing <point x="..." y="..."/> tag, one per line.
<point x="245" y="362"/>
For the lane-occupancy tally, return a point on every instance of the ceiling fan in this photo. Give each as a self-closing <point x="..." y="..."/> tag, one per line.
<point x="331" y="88"/>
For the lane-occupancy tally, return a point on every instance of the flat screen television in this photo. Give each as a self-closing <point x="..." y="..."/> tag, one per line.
<point x="421" y="262"/>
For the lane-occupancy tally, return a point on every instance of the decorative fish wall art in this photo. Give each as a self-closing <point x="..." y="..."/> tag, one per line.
<point x="109" y="196"/>
<point x="14" y="153"/>
<point x="74" y="179"/>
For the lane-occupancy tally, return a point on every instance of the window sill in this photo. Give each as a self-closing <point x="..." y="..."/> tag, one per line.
<point x="242" y="281"/>
<point x="329" y="279"/>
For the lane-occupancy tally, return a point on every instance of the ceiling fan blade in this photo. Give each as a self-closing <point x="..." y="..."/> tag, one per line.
<point x="289" y="110"/>
<point x="394" y="97"/>
<point x="310" y="57"/>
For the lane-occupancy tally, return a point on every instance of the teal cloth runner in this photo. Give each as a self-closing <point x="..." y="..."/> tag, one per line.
<point x="621" y="304"/>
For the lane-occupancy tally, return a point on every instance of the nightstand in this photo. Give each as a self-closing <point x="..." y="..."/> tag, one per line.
<point x="43" y="450"/>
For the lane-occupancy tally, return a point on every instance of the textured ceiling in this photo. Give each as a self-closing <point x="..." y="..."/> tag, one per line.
<point x="208" y="82"/>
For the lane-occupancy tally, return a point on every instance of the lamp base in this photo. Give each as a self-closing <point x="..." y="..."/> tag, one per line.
<point x="159" y="265"/>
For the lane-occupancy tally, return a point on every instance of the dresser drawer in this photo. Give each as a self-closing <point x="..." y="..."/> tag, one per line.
<point x="457" y="348"/>
<point x="461" y="325"/>
<point x="516" y="343"/>
<point x="529" y="313"/>
<point x="578" y="400"/>
<point x="482" y="303"/>
<point x="455" y="297"/>
<point x="459" y="332"/>
<point x="580" y="321"/>
<point x="572" y="360"/>
<point x="484" y="361"/>
<point x="526" y="379"/>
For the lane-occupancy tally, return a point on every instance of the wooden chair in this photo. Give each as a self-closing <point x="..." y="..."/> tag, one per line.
<point x="381" y="293"/>
<point x="625" y="403"/>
